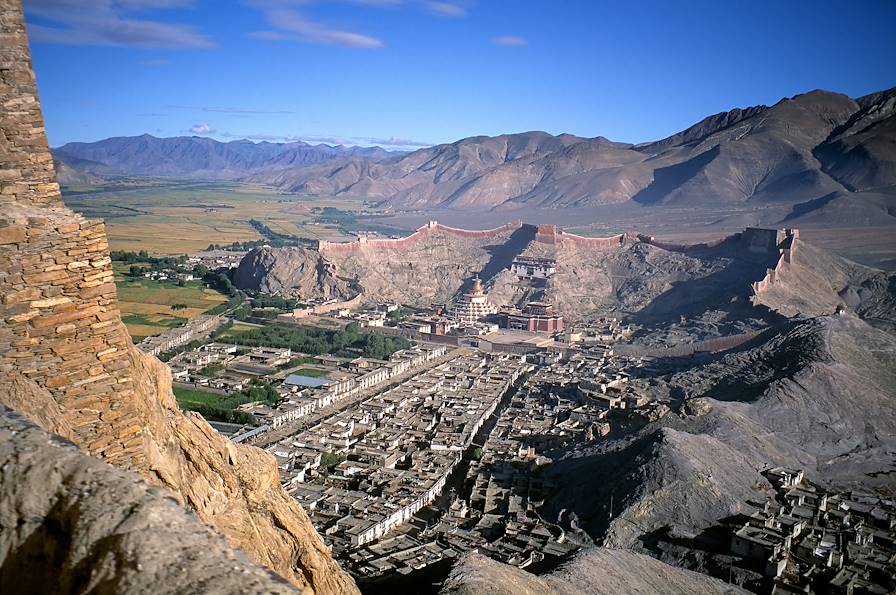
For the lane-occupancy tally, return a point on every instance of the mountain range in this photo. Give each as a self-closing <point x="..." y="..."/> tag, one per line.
<point x="820" y="152"/>
<point x="195" y="157"/>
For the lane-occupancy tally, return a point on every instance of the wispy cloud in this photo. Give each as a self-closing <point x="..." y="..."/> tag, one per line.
<point x="377" y="2"/>
<point x="330" y="139"/>
<point x="289" y="24"/>
<point x="392" y="141"/>
<point x="110" y="23"/>
<point x="510" y="40"/>
<point x="230" y="110"/>
<point x="155" y="62"/>
<point x="202" y="129"/>
<point x="289" y="138"/>
<point x="446" y="9"/>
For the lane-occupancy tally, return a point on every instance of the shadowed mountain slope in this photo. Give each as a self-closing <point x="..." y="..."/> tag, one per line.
<point x="595" y="572"/>
<point x="816" y="395"/>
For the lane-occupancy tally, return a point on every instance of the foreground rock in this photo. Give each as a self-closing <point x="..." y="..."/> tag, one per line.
<point x="594" y="572"/>
<point x="72" y="524"/>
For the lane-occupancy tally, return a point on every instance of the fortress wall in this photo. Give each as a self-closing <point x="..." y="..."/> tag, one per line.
<point x="688" y="349"/>
<point x="549" y="234"/>
<point x="67" y="361"/>
<point x="786" y="257"/>
<point x="332" y="307"/>
<point x="61" y="328"/>
<point x="610" y="242"/>
<point x="673" y="247"/>
<point x="419" y="234"/>
<point x="26" y="166"/>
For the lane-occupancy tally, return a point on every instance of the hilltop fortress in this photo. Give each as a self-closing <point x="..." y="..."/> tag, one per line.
<point x="437" y="264"/>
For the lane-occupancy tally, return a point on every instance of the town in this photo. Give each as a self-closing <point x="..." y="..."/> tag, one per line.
<point x="434" y="448"/>
<point x="413" y="435"/>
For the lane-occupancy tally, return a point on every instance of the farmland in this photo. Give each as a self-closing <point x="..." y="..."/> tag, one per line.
<point x="177" y="216"/>
<point x="152" y="307"/>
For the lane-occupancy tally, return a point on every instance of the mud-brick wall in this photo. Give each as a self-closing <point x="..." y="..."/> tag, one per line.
<point x="60" y="325"/>
<point x="26" y="166"/>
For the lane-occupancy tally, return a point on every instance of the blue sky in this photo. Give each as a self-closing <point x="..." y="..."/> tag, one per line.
<point x="407" y="73"/>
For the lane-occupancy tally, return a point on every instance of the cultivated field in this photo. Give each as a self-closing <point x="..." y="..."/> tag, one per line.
<point x="177" y="217"/>
<point x="150" y="307"/>
<point x="190" y="396"/>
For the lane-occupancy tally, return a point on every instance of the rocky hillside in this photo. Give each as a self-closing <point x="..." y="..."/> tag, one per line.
<point x="73" y="524"/>
<point x="818" y="282"/>
<point x="819" y="146"/>
<point x="197" y="157"/>
<point x="298" y="271"/>
<point x="816" y="395"/>
<point x="429" y="266"/>
<point x="68" y="363"/>
<point x="594" y="572"/>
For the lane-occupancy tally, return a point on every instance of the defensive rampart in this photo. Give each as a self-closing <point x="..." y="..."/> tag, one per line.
<point x="549" y="234"/>
<point x="786" y="256"/>
<point x="422" y="232"/>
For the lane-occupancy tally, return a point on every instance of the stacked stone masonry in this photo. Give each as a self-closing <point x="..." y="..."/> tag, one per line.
<point x="67" y="361"/>
<point x="26" y="166"/>
<point x="63" y="330"/>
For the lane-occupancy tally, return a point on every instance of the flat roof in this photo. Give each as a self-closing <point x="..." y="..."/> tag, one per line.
<point x="308" y="381"/>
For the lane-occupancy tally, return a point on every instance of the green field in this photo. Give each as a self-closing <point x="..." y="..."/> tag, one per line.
<point x="236" y="327"/>
<point x="184" y="216"/>
<point x="312" y="372"/>
<point x="190" y="396"/>
<point x="146" y="305"/>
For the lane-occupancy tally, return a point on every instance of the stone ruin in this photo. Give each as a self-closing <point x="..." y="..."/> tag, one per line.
<point x="68" y="364"/>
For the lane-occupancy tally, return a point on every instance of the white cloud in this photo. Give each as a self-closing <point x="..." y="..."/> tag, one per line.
<point x="202" y="129"/>
<point x="289" y="24"/>
<point x="446" y="9"/>
<point x="110" y="23"/>
<point x="392" y="141"/>
<point x="510" y="40"/>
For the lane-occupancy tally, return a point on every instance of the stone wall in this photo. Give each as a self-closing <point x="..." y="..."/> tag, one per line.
<point x="674" y="247"/>
<point x="786" y="257"/>
<point x="62" y="328"/>
<point x="419" y="234"/>
<point x="68" y="363"/>
<point x="26" y="167"/>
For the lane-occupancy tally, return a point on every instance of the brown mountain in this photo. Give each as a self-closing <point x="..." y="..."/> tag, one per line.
<point x="819" y="146"/>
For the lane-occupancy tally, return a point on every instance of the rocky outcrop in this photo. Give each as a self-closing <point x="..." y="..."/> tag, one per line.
<point x="297" y="271"/>
<point x="72" y="524"/>
<point x="429" y="266"/>
<point x="67" y="362"/>
<point x="595" y="572"/>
